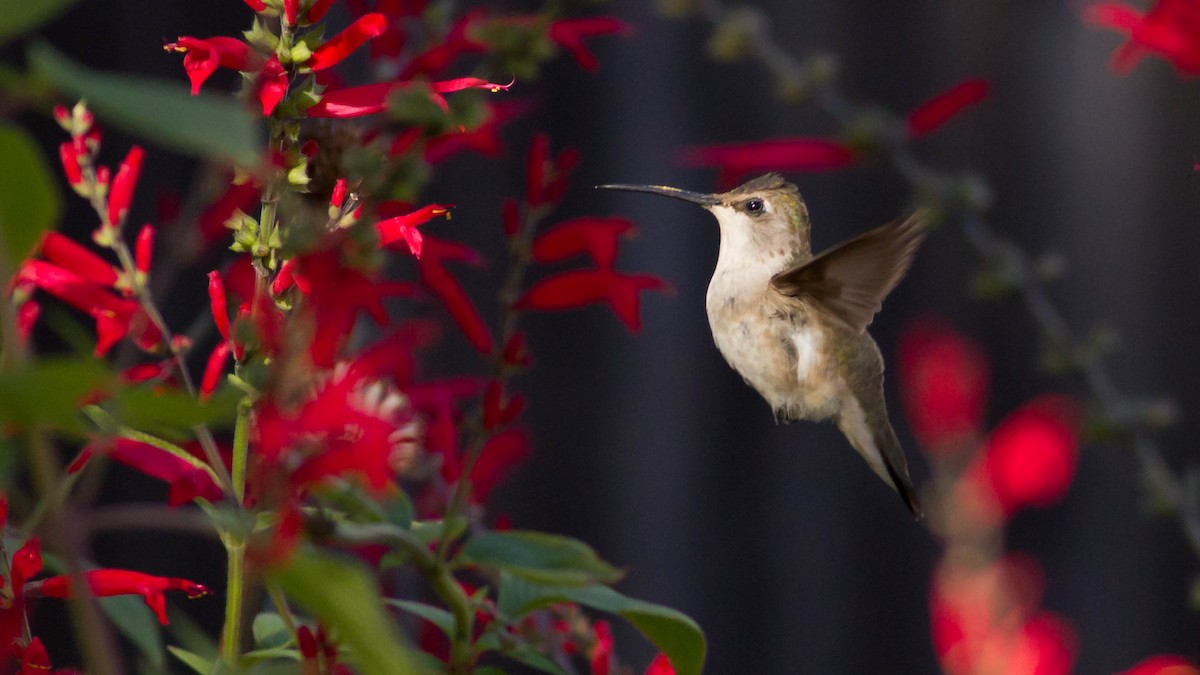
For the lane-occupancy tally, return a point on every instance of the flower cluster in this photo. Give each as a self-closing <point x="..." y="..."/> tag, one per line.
<point x="309" y="430"/>
<point x="985" y="604"/>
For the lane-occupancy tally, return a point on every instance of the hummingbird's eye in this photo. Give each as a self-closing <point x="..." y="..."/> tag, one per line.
<point x="755" y="206"/>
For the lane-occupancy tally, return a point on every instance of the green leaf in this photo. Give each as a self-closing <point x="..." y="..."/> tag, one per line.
<point x="534" y="659"/>
<point x="270" y="654"/>
<point x="437" y="616"/>
<point x="342" y="594"/>
<point x="134" y="619"/>
<point x="163" y="111"/>
<point x="270" y="631"/>
<point x="194" y="661"/>
<point x="51" y="391"/>
<point x="30" y="202"/>
<point x="540" y="557"/>
<point x="21" y="16"/>
<point x="671" y="631"/>
<point x="167" y="413"/>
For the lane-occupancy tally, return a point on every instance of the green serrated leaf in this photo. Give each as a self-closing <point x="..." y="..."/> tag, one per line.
<point x="217" y="127"/>
<point x="135" y="621"/>
<point x="437" y="616"/>
<point x="539" y="557"/>
<point x="673" y="632"/>
<point x="342" y="594"/>
<point x="194" y="661"/>
<point x="18" y="17"/>
<point x="270" y="631"/>
<point x="30" y="203"/>
<point x="51" y="391"/>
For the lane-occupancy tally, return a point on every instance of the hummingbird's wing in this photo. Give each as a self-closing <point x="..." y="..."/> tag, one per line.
<point x="851" y="280"/>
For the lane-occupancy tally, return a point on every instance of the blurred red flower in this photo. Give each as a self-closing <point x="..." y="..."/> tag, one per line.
<point x="109" y="582"/>
<point x="1163" y="664"/>
<point x="938" y="110"/>
<point x="1031" y="456"/>
<point x="735" y="160"/>
<point x="1171" y="29"/>
<point x="944" y="384"/>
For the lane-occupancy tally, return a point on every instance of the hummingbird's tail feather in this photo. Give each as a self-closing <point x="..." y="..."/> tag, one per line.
<point x="872" y="436"/>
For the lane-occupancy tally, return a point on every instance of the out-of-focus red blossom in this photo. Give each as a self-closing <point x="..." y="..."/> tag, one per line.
<point x="214" y="368"/>
<point x="941" y="108"/>
<point x="404" y="228"/>
<point x="237" y="197"/>
<point x="317" y="10"/>
<point x="69" y="153"/>
<point x="202" y="57"/>
<point x="116" y="317"/>
<point x="436" y="58"/>
<point x="144" y="372"/>
<point x="120" y="194"/>
<point x="500" y="409"/>
<point x="337" y="293"/>
<point x="499" y="454"/>
<point x="484" y="140"/>
<point x="515" y="352"/>
<point x="26" y="562"/>
<point x="661" y="665"/>
<point x="256" y="5"/>
<point x="431" y="265"/>
<point x="595" y="236"/>
<point x="34" y="659"/>
<point x="218" y="303"/>
<point x="571" y="33"/>
<point x="600" y="654"/>
<point x="546" y="177"/>
<point x="187" y="481"/>
<point x="1031" y="456"/>
<point x="735" y="160"/>
<point x="272" y="85"/>
<point x="988" y="620"/>
<point x="27" y="316"/>
<point x="369" y="99"/>
<point x="346" y="42"/>
<point x="109" y="582"/>
<point x="1171" y="29"/>
<point x="945" y="384"/>
<point x="437" y="402"/>
<point x="1163" y="664"/>
<point x="577" y="288"/>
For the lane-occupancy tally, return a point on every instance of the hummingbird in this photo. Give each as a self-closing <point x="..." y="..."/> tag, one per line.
<point x="793" y="325"/>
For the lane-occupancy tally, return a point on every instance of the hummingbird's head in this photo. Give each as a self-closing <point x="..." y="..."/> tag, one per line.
<point x="766" y="214"/>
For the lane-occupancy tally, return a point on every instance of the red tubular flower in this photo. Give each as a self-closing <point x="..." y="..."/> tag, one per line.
<point x="291" y="11"/>
<point x="256" y="5"/>
<point x="187" y="480"/>
<point x="345" y="43"/>
<point x="786" y="154"/>
<point x="109" y="582"/>
<point x="404" y="228"/>
<point x="497" y="457"/>
<point x="144" y="249"/>
<point x="202" y="57"/>
<point x="115" y="317"/>
<point x="436" y="253"/>
<point x="66" y="253"/>
<point x="123" y="184"/>
<point x="1163" y="664"/>
<point x="34" y="659"/>
<point x="370" y="99"/>
<point x="1171" y="29"/>
<point x="939" y="109"/>
<point x="1031" y="456"/>
<point x="69" y="153"/>
<point x="570" y="34"/>
<point x="214" y="369"/>
<point x="581" y="287"/>
<point x="438" y="57"/>
<point x="272" y="85"/>
<point x="596" y="236"/>
<point x="499" y="410"/>
<point x="437" y="402"/>
<point x="27" y="316"/>
<point x="661" y="665"/>
<point x="317" y="11"/>
<point x="546" y="178"/>
<point x="217" y="301"/>
<point x="945" y="382"/>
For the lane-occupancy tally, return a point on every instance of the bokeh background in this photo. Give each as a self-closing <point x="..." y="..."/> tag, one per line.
<point x="778" y="540"/>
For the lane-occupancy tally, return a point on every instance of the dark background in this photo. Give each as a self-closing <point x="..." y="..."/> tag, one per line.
<point x="791" y="554"/>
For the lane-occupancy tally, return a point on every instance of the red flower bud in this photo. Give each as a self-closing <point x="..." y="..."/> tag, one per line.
<point x="121" y="193"/>
<point x="144" y="249"/>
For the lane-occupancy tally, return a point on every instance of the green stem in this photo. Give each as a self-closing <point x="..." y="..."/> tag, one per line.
<point x="241" y="449"/>
<point x="236" y="579"/>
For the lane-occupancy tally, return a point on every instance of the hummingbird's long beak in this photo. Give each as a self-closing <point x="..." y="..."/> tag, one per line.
<point x="667" y="191"/>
